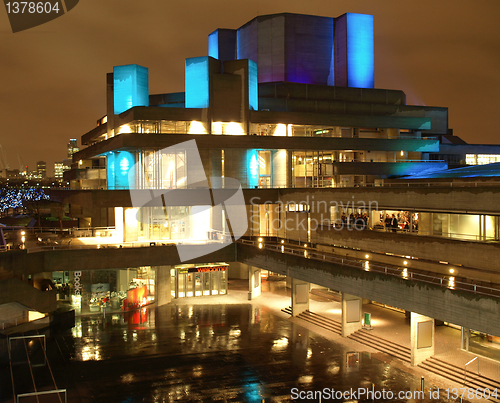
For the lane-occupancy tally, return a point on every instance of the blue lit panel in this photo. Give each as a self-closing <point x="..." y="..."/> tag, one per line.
<point x="222" y="44"/>
<point x="197" y="82"/>
<point x="253" y="168"/>
<point x="131" y="87"/>
<point x="253" y="86"/>
<point x="360" y="51"/>
<point x="309" y="49"/>
<point x="213" y="44"/>
<point x="110" y="170"/>
<point x="123" y="166"/>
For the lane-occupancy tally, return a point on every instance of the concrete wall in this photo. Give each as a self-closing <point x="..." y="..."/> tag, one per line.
<point x="458" y="307"/>
<point x="16" y="290"/>
<point x="21" y="262"/>
<point x="438" y="199"/>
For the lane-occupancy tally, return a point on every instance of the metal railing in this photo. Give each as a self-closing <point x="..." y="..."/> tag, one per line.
<point x="461" y="237"/>
<point x="46" y="392"/>
<point x="440" y="280"/>
<point x="135" y="244"/>
<point x="46" y="363"/>
<point x="465" y="368"/>
<point x="410" y="184"/>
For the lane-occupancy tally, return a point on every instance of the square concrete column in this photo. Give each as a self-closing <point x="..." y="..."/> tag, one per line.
<point x="300" y="296"/>
<point x="352" y="315"/>
<point x="162" y="283"/>
<point x="254" y="285"/>
<point x="422" y="338"/>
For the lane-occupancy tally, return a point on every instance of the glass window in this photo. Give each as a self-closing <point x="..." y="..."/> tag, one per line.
<point x="206" y="283"/>
<point x="172" y="283"/>
<point x="223" y="283"/>
<point x="198" y="284"/>
<point x="189" y="285"/>
<point x="215" y="282"/>
<point x="182" y="284"/>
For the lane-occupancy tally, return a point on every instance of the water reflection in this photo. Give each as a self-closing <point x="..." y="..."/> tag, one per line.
<point x="214" y="352"/>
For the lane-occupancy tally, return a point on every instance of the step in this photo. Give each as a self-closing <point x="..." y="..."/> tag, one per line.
<point x="319" y="321"/>
<point x="322" y="319"/>
<point x="381" y="342"/>
<point x="471" y="376"/>
<point x="363" y="334"/>
<point x="333" y="327"/>
<point x="382" y="345"/>
<point x="287" y="310"/>
<point x="452" y="374"/>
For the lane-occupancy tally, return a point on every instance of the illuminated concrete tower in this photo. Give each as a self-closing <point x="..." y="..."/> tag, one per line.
<point x="304" y="49"/>
<point x="354" y="51"/>
<point x="131" y="87"/>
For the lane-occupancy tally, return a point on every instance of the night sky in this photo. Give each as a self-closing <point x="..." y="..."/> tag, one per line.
<point x="53" y="77"/>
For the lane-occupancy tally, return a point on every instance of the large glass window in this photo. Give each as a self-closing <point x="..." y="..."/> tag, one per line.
<point x="162" y="170"/>
<point x="481" y="159"/>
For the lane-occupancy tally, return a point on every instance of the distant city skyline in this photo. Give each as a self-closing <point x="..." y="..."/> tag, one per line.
<point x="439" y="53"/>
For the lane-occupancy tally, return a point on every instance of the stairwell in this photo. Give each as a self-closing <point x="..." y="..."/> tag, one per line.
<point x="457" y="374"/>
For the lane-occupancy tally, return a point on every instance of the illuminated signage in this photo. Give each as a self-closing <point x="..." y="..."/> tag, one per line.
<point x="201" y="269"/>
<point x="207" y="269"/>
<point x="76" y="282"/>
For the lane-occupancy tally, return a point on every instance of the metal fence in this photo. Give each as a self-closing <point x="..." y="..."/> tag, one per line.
<point x="441" y="281"/>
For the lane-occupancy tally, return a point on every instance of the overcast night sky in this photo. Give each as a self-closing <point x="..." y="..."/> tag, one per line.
<point x="53" y="77"/>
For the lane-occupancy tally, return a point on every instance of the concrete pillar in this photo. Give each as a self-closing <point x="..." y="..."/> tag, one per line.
<point x="254" y="284"/>
<point x="163" y="294"/>
<point x="237" y="270"/>
<point x="300" y="296"/>
<point x="464" y="338"/>
<point x="422" y="338"/>
<point x="352" y="314"/>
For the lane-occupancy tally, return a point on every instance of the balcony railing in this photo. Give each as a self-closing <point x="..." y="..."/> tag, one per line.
<point x="449" y="282"/>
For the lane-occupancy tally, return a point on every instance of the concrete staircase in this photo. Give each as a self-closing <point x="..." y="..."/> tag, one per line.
<point x="456" y="374"/>
<point x="321" y="321"/>
<point x="318" y="320"/>
<point x="388" y="347"/>
<point x="287" y="310"/>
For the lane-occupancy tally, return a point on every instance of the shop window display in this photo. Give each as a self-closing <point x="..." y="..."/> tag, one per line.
<point x="98" y="290"/>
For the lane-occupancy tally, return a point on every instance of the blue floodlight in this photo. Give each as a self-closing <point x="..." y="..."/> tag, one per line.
<point x="197" y="82"/>
<point x="124" y="164"/>
<point x="110" y="170"/>
<point x="131" y="87"/>
<point x="360" y="51"/>
<point x="213" y="44"/>
<point x="253" y="86"/>
<point x="253" y="168"/>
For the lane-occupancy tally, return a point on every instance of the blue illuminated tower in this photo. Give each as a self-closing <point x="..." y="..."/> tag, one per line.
<point x="304" y="49"/>
<point x="354" y="51"/>
<point x="131" y="87"/>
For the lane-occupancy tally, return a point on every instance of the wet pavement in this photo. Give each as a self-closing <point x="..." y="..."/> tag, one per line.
<point x="219" y="348"/>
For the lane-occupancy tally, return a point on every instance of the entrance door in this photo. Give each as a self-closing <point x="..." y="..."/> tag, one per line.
<point x="206" y="279"/>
